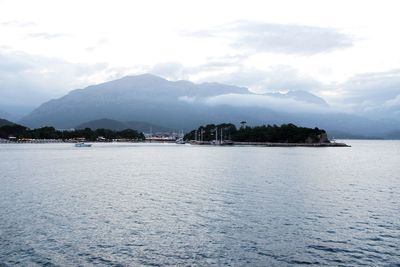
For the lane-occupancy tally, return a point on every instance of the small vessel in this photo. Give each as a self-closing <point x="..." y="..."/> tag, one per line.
<point x="82" y="144"/>
<point x="180" y="141"/>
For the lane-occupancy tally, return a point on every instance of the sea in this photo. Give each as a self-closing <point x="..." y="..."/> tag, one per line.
<point x="138" y="204"/>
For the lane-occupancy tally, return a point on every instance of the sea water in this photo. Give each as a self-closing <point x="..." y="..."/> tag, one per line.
<point x="166" y="204"/>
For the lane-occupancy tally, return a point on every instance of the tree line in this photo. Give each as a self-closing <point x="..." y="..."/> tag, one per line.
<point x="285" y="133"/>
<point x="22" y="132"/>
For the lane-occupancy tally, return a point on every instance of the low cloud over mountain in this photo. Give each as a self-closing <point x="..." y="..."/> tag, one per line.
<point x="183" y="104"/>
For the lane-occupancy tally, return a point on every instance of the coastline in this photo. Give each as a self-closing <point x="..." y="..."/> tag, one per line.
<point x="269" y="144"/>
<point x="261" y="144"/>
<point x="291" y="144"/>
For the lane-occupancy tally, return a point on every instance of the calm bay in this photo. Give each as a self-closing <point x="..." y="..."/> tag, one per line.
<point x="127" y="204"/>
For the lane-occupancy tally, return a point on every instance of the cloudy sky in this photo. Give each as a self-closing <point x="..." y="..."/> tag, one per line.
<point x="344" y="51"/>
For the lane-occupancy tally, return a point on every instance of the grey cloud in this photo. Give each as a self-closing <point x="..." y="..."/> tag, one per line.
<point x="265" y="101"/>
<point x="278" y="38"/>
<point x="170" y="70"/>
<point x="98" y="44"/>
<point x="29" y="80"/>
<point x="376" y="94"/>
<point x="276" y="103"/>
<point x="14" y="63"/>
<point x="90" y="49"/>
<point x="46" y="35"/>
<point x="277" y="78"/>
<point x="102" y="41"/>
<point x="379" y="86"/>
<point x="18" y="23"/>
<point x="234" y="60"/>
<point x="393" y="103"/>
<point x="177" y="71"/>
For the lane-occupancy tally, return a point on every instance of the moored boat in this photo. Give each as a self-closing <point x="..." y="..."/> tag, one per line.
<point x="180" y="141"/>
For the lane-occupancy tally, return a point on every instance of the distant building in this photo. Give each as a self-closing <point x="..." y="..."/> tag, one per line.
<point x="66" y="130"/>
<point x="101" y="139"/>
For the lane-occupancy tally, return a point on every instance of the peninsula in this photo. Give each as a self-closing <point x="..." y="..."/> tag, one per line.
<point x="266" y="135"/>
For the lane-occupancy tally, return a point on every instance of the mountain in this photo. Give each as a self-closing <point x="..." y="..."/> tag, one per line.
<point x="185" y="105"/>
<point x="4" y="122"/>
<point x="118" y="125"/>
<point x="134" y="98"/>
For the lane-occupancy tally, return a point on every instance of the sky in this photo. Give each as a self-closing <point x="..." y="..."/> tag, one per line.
<point x="343" y="51"/>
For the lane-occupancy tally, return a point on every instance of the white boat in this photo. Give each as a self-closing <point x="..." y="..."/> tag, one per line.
<point x="82" y="144"/>
<point x="180" y="141"/>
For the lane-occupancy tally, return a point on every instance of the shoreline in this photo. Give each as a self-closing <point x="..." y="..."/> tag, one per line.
<point x="292" y="144"/>
<point x="269" y="144"/>
<point x="261" y="144"/>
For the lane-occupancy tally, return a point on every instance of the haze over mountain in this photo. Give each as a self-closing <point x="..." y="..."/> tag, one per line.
<point x="7" y="116"/>
<point x="183" y="105"/>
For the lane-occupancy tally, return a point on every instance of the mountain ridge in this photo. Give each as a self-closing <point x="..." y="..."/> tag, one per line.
<point x="184" y="104"/>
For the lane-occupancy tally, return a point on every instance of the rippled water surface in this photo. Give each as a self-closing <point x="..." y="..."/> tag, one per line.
<point x="148" y="204"/>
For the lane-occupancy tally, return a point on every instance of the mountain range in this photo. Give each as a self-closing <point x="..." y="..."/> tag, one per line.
<point x="185" y="105"/>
